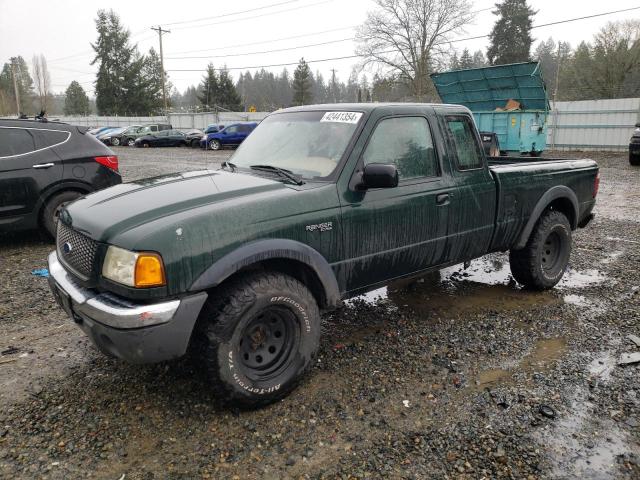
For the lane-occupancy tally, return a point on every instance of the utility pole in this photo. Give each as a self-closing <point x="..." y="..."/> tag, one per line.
<point x="15" y="86"/>
<point x="164" y="89"/>
<point x="333" y="85"/>
<point x="555" y="105"/>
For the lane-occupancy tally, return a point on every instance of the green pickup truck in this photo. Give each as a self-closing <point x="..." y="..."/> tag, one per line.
<point x="319" y="204"/>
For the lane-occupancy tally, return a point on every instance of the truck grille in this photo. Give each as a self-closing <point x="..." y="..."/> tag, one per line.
<point x="76" y="251"/>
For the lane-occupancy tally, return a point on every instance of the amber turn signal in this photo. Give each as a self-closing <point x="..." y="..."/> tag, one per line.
<point x="149" y="271"/>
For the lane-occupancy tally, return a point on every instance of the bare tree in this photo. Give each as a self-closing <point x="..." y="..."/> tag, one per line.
<point x="409" y="37"/>
<point x="42" y="80"/>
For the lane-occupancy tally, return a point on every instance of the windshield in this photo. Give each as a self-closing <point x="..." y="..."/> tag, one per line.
<point x="309" y="144"/>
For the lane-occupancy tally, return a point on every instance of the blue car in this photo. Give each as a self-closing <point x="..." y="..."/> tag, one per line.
<point x="231" y="135"/>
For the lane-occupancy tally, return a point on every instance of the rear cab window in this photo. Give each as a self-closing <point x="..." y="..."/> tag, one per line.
<point x="461" y="134"/>
<point x="407" y="143"/>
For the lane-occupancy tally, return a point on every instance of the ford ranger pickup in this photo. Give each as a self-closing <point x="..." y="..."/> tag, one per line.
<point x="319" y="204"/>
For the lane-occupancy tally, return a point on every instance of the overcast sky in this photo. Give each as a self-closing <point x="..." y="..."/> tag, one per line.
<point x="63" y="29"/>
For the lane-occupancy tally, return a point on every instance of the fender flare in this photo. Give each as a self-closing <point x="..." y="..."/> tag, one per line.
<point x="271" y="249"/>
<point x="554" y="193"/>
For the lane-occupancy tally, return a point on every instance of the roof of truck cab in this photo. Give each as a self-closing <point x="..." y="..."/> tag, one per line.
<point x="368" y="107"/>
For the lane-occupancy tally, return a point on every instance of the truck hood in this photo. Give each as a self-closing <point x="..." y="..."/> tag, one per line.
<point x="123" y="207"/>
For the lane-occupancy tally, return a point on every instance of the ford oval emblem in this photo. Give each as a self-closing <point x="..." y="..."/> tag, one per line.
<point x="67" y="247"/>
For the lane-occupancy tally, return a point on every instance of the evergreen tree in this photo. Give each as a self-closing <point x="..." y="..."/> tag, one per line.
<point x="24" y="81"/>
<point x="76" y="101"/>
<point x="479" y="59"/>
<point x="209" y="88"/>
<point x="466" y="60"/>
<point x="510" y="40"/>
<point x="333" y="88"/>
<point x="227" y="97"/>
<point x="302" y="82"/>
<point x="151" y="79"/>
<point x="118" y="66"/>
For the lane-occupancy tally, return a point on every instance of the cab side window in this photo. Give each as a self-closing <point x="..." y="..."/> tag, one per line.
<point x="405" y="142"/>
<point x="15" y="141"/>
<point x="461" y="133"/>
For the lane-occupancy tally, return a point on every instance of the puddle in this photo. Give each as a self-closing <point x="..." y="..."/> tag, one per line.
<point x="545" y="353"/>
<point x="583" y="445"/>
<point x="486" y="284"/>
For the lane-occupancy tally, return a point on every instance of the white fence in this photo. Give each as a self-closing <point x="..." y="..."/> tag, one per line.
<point x="593" y="124"/>
<point x="181" y="121"/>
<point x="96" y="121"/>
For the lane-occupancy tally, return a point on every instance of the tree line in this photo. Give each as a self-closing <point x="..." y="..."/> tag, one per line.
<point x="401" y="41"/>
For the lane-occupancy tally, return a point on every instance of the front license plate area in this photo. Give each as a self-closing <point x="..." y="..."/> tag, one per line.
<point x="64" y="300"/>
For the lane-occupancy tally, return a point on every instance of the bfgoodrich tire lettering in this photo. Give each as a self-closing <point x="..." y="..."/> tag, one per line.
<point x="257" y="337"/>
<point x="542" y="262"/>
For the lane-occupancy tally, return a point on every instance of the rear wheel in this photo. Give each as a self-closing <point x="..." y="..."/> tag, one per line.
<point x="258" y="337"/>
<point x="51" y="211"/>
<point x="130" y="142"/>
<point x="115" y="141"/>
<point x="542" y="262"/>
<point x="215" y="145"/>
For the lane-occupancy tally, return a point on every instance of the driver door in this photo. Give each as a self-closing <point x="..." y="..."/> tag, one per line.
<point x="393" y="232"/>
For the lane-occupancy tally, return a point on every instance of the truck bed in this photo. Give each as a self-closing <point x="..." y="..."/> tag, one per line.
<point x="522" y="181"/>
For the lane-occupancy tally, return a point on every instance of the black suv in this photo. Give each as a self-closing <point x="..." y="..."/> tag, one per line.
<point x="634" y="147"/>
<point x="44" y="165"/>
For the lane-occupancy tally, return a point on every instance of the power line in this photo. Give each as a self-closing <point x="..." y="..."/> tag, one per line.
<point x="256" y="16"/>
<point x="264" y="51"/>
<point x="393" y="51"/>
<point x="262" y="42"/>
<point x="233" y="13"/>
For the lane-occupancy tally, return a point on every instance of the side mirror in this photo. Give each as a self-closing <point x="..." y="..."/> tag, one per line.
<point x="379" y="175"/>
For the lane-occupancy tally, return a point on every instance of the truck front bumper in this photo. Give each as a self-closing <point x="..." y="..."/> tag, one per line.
<point x="134" y="332"/>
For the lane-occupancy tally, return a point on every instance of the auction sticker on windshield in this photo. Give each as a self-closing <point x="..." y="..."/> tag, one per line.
<point x="341" y="117"/>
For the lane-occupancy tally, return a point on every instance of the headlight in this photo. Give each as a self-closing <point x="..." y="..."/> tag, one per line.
<point x="204" y="137"/>
<point x="135" y="269"/>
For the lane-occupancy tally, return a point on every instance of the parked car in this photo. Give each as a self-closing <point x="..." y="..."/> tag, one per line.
<point x="634" y="147"/>
<point x="98" y="130"/>
<point x="44" y="166"/>
<point x="230" y="136"/>
<point x="127" y="136"/>
<point x="319" y="204"/>
<point x="164" y="138"/>
<point x="106" y="137"/>
<point x="194" y="137"/>
<point x="212" y="128"/>
<point x="153" y="127"/>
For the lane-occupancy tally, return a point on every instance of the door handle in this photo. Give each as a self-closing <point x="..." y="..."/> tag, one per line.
<point x="442" y="199"/>
<point x="43" y="165"/>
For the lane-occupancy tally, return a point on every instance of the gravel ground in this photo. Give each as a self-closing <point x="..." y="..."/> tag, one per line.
<point x="458" y="375"/>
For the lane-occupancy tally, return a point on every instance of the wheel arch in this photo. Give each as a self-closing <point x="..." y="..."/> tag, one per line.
<point x="287" y="256"/>
<point x="559" y="198"/>
<point x="64" y="186"/>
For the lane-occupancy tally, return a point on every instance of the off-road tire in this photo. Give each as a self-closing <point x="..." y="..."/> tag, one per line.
<point x="49" y="216"/>
<point x="227" y="317"/>
<point x="535" y="266"/>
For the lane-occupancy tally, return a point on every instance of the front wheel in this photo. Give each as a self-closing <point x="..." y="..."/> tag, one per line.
<point x="257" y="337"/>
<point x="215" y="145"/>
<point x="634" y="159"/>
<point x="115" y="141"/>
<point x="131" y="142"/>
<point x="542" y="262"/>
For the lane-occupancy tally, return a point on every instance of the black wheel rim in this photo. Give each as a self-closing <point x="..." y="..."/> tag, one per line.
<point x="551" y="253"/>
<point x="267" y="343"/>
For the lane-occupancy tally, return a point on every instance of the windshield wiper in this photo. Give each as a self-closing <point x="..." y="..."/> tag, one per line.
<point x="280" y="171"/>
<point x="225" y="164"/>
